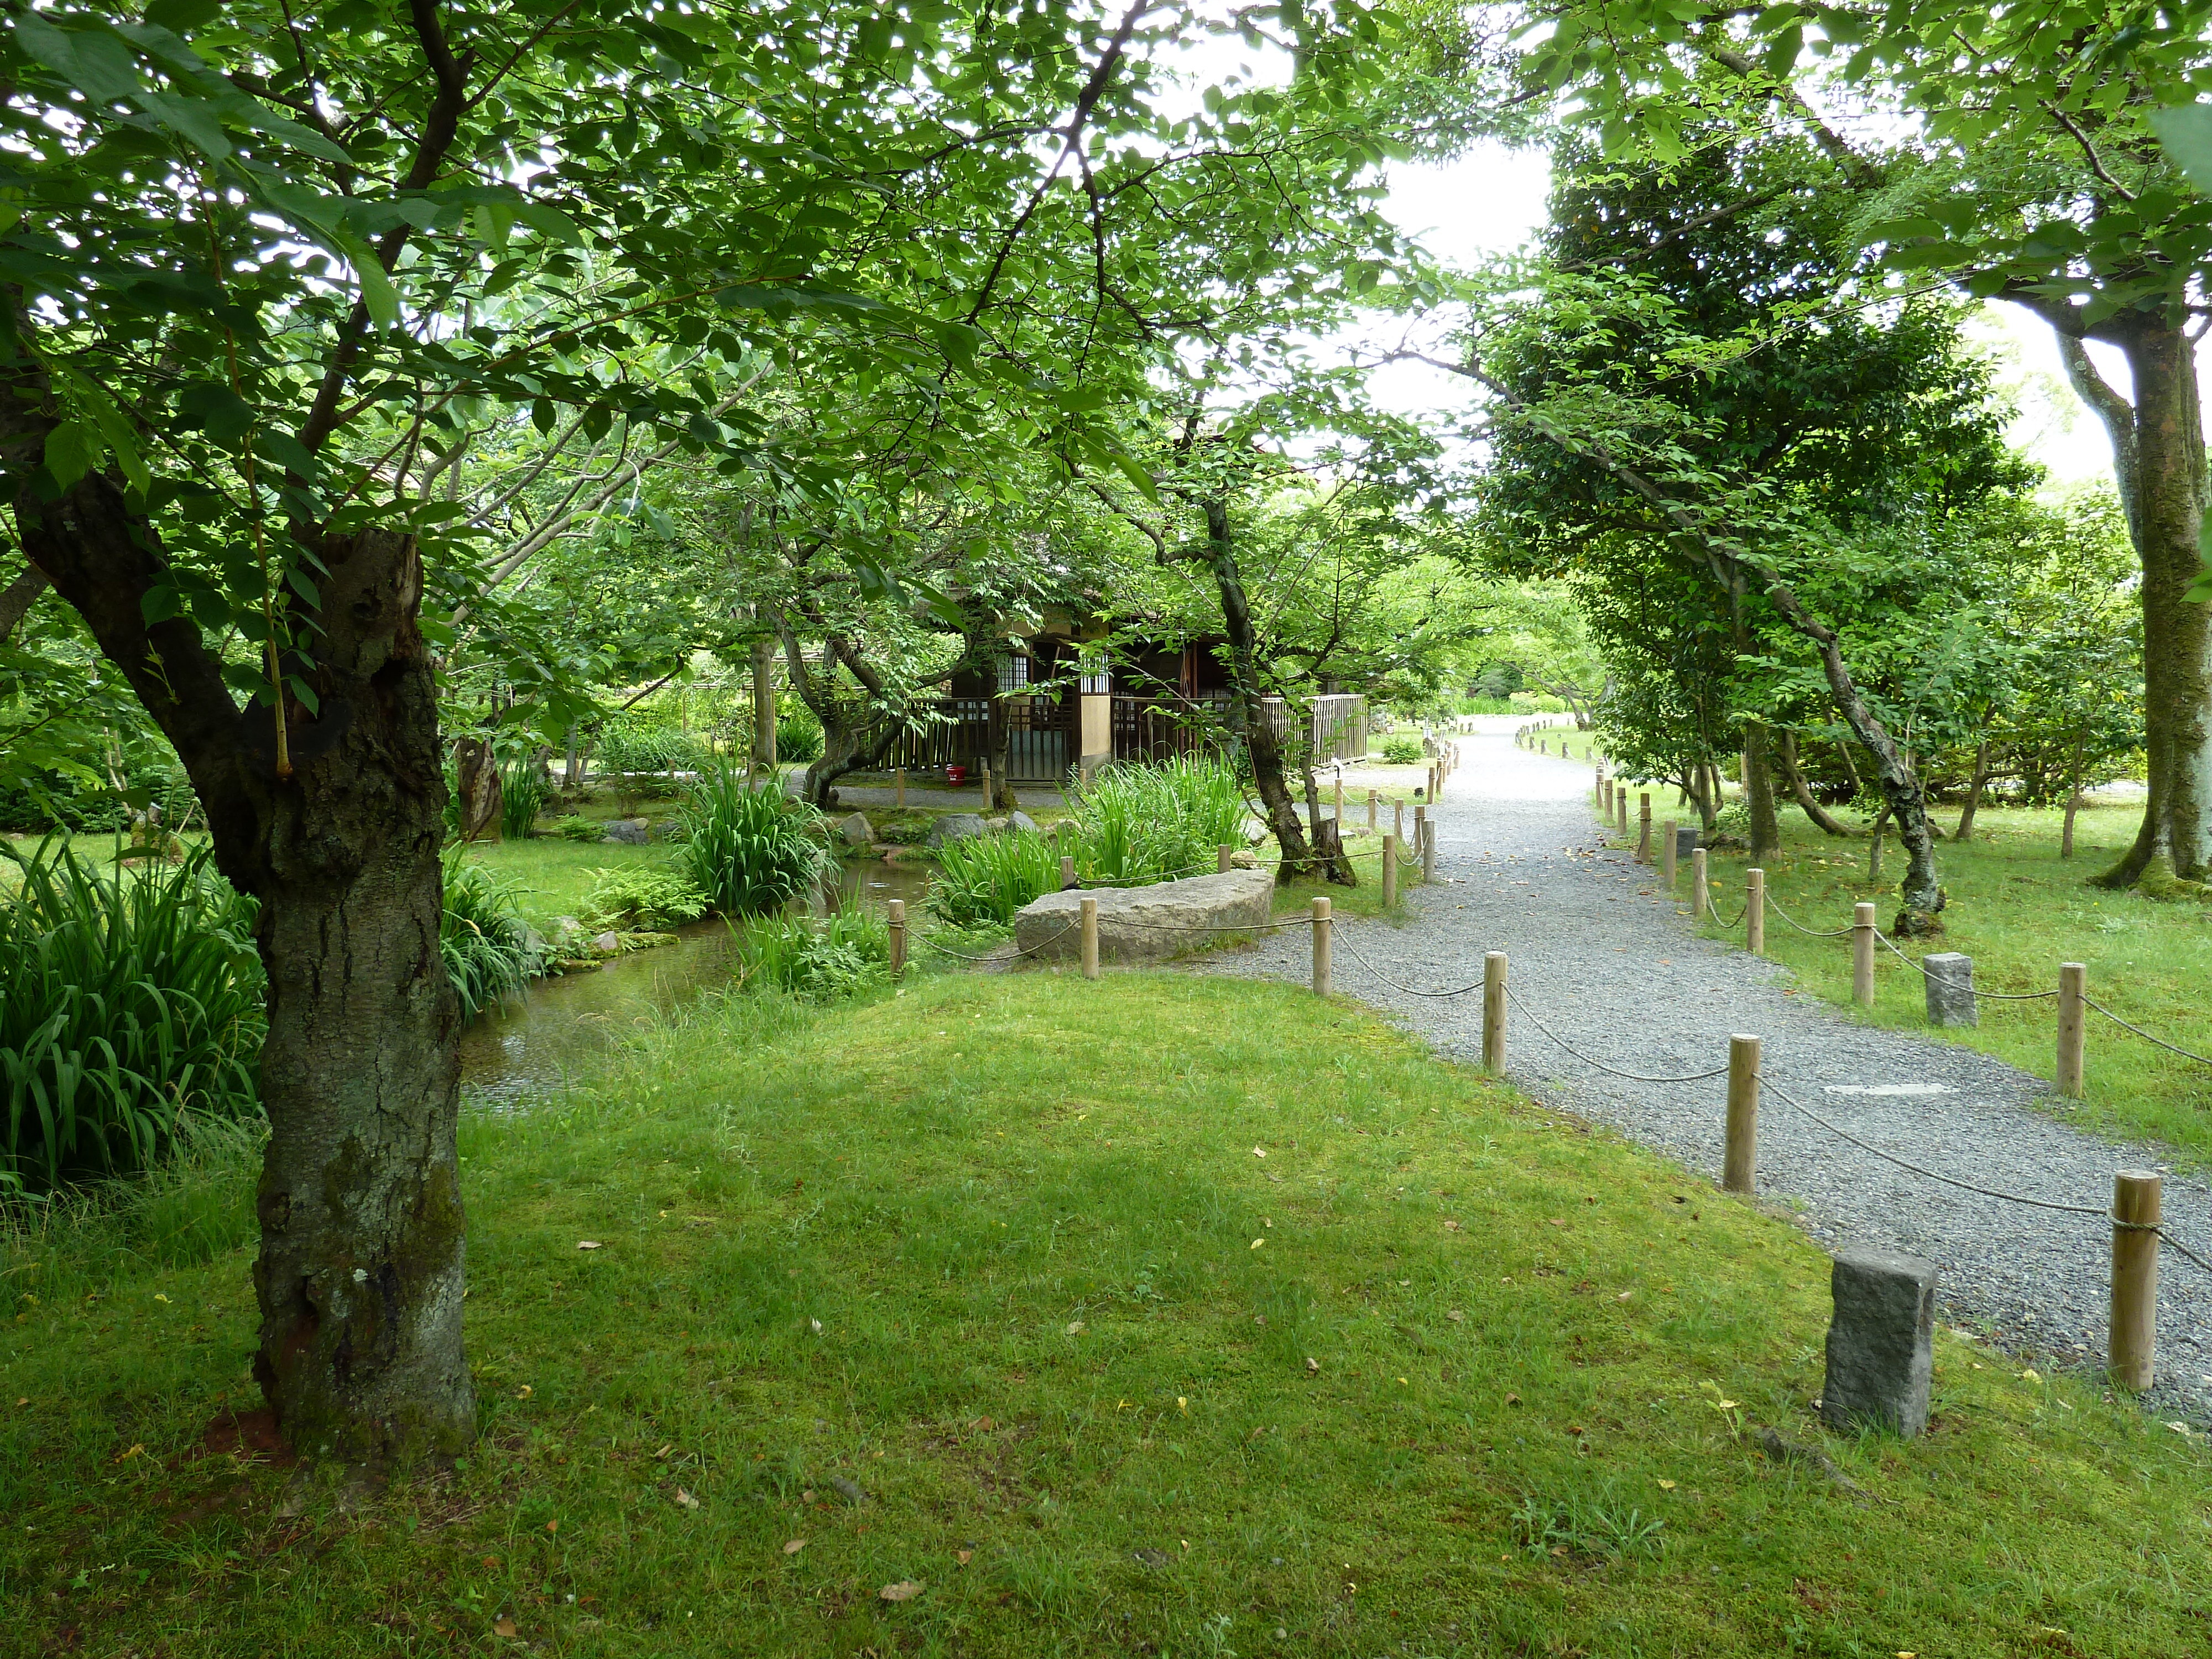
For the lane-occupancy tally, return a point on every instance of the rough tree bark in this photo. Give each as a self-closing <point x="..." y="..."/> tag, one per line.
<point x="1259" y="739"/>
<point x="1328" y="836"/>
<point x="20" y="595"/>
<point x="2158" y="450"/>
<point x="363" y="1249"/>
<point x="844" y="745"/>
<point x="1759" y="792"/>
<point x="763" y="745"/>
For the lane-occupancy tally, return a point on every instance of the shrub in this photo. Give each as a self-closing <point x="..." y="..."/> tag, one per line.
<point x="133" y="1005"/>
<point x="1139" y="822"/>
<point x="523" y="788"/>
<point x="983" y="879"/>
<point x="749" y="851"/>
<point x="642" y="900"/>
<point x="818" y="960"/>
<point x="482" y="937"/>
<point x="1400" y="749"/>
<point x="629" y="745"/>
<point x="577" y="827"/>
<point x="798" y="735"/>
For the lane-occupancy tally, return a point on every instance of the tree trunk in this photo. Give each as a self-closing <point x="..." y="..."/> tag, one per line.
<point x="1873" y="844"/>
<point x="336" y="833"/>
<point x="1785" y="759"/>
<point x="1759" y="791"/>
<point x="16" y="601"/>
<point x="572" y="757"/>
<point x="1328" y="836"/>
<point x="476" y="777"/>
<point x="2174" y="845"/>
<point x="764" y="745"/>
<point x="1966" y="829"/>
<point x="2073" y="793"/>
<point x="1259" y="739"/>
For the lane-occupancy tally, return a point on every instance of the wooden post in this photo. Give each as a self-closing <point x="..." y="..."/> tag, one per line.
<point x="1754" y="911"/>
<point x="1390" y="872"/>
<point x="1421" y="840"/>
<point x="1339" y="794"/>
<point x="899" y="780"/>
<point x="1701" y="892"/>
<point x="1088" y="907"/>
<point x="1320" y="947"/>
<point x="1620" y="801"/>
<point x="1493" y="1012"/>
<point x="1643" y="826"/>
<point x="2134" y="1344"/>
<point x="1429" y="853"/>
<point x="1597" y="784"/>
<point x="1373" y="796"/>
<point x="1067" y="874"/>
<point x="898" y="937"/>
<point x="1398" y="821"/>
<point x="1667" y="853"/>
<point x="2073" y="1026"/>
<point x="985" y="769"/>
<point x="1862" y="931"/>
<point x="1740" y="1163"/>
<point x="1221" y="855"/>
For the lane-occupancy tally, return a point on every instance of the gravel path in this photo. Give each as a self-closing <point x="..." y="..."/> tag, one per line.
<point x="1614" y="969"/>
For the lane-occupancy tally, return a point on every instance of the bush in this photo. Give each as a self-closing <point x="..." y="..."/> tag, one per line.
<point x="798" y="735"/>
<point x="1401" y="749"/>
<point x="1139" y="822"/>
<point x="834" y="957"/>
<point x="523" y="789"/>
<point x="749" y="851"/>
<point x="983" y="879"/>
<point x="644" y="900"/>
<point x="638" y="746"/>
<point x="482" y="937"/>
<point x="577" y="827"/>
<point x="133" y="1005"/>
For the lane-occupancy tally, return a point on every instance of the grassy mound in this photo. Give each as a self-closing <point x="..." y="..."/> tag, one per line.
<point x="1157" y="1315"/>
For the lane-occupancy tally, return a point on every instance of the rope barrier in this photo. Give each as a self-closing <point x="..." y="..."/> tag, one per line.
<point x="1833" y="932"/>
<point x="2184" y="1052"/>
<point x="1986" y="1192"/>
<point x="945" y="950"/>
<point x="1999" y="996"/>
<point x="1633" y="1076"/>
<point x="1411" y="990"/>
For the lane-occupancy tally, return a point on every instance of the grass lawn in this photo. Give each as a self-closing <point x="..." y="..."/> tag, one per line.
<point x="2019" y="910"/>
<point x="1161" y="1315"/>
<point x="551" y="875"/>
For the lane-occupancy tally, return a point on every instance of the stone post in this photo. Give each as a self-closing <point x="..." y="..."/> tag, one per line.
<point x="1880" y="1342"/>
<point x="1950" y="981"/>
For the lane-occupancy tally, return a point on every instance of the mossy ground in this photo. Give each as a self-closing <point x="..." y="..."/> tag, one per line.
<point x="1161" y="1314"/>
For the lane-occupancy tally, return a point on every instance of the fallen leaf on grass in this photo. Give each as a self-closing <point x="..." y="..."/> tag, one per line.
<point x="1258" y="1152"/>
<point x="1666" y="1486"/>
<point x="686" y="1499"/>
<point x="1456" y="1316"/>
<point x="552" y="1525"/>
<point x="963" y="1557"/>
<point x="794" y="1546"/>
<point x="1312" y="1364"/>
<point x="1075" y="1328"/>
<point x="587" y="1244"/>
<point x="505" y="1627"/>
<point x="135" y="1451"/>
<point x="1257" y="1243"/>
<point x="1556" y="1220"/>
<point x="903" y="1591"/>
<point x="1512" y="1398"/>
<point x="1451" y="1226"/>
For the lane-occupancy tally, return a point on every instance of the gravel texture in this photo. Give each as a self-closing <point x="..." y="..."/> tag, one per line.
<point x="1612" y="965"/>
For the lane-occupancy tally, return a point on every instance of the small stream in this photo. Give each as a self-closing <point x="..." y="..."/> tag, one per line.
<point x="563" y="1026"/>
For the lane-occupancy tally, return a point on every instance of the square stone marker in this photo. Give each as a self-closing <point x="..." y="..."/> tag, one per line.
<point x="1880" y="1342"/>
<point x="1950" y="988"/>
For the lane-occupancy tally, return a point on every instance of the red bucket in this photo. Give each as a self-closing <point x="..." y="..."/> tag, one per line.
<point x="956" y="775"/>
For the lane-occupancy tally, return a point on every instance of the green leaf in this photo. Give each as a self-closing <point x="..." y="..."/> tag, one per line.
<point x="306" y="694"/>
<point x="2186" y="133"/>
<point x="72" y="449"/>
<point x="95" y="64"/>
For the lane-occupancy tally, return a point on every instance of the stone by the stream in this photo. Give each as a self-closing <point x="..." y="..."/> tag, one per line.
<point x="629" y="832"/>
<point x="857" y="830"/>
<point x="606" y="942"/>
<point x="1143" y="924"/>
<point x="1950" y="988"/>
<point x="956" y="826"/>
<point x="1880" y="1353"/>
<point x="1020" y="820"/>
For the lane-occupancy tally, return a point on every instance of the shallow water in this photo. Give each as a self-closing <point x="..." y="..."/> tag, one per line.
<point x="563" y="1027"/>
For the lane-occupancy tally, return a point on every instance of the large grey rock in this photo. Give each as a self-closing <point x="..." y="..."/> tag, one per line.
<point x="629" y="832"/>
<point x="956" y="826"/>
<point x="1020" y="820"/>
<point x="1143" y="924"/>
<point x="1686" y="841"/>
<point x="1880" y="1344"/>
<point x="857" y="830"/>
<point x="1950" y="988"/>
